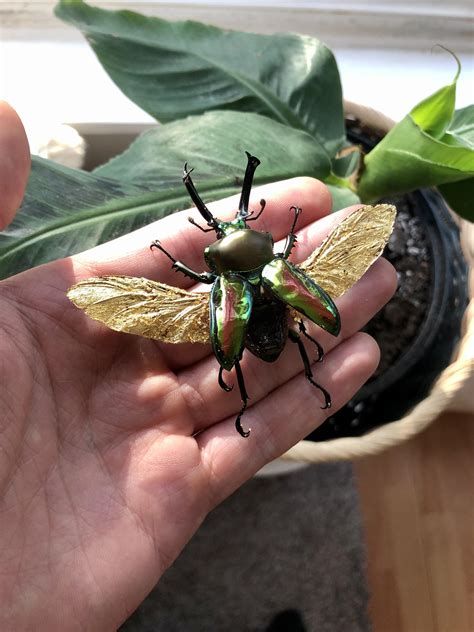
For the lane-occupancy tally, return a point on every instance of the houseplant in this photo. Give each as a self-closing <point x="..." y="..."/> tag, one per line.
<point x="278" y="96"/>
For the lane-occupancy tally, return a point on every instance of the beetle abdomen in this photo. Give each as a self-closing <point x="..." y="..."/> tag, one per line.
<point x="268" y="328"/>
<point x="240" y="251"/>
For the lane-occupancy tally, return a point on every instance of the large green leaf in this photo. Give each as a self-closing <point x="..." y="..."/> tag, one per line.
<point x="431" y="146"/>
<point x="434" y="114"/>
<point x="66" y="210"/>
<point x="407" y="159"/>
<point x="214" y="144"/>
<point x="174" y="69"/>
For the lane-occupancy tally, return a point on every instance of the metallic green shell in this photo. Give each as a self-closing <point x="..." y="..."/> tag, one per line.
<point x="296" y="289"/>
<point x="230" y="309"/>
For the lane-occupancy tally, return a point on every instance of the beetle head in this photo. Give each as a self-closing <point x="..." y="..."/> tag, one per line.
<point x="226" y="228"/>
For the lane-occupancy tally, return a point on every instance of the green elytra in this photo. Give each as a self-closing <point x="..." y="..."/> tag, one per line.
<point x="252" y="290"/>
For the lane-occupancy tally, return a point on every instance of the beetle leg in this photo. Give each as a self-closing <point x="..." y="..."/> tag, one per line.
<point x="262" y="206"/>
<point x="294" y="337"/>
<point x="303" y="330"/>
<point x="291" y="238"/>
<point x="225" y="387"/>
<point x="203" y="277"/>
<point x="244" y="397"/>
<point x="196" y="198"/>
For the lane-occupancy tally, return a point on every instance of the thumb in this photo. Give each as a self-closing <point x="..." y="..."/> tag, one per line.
<point x="14" y="163"/>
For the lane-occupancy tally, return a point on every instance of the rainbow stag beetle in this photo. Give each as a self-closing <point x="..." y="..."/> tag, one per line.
<point x="252" y="288"/>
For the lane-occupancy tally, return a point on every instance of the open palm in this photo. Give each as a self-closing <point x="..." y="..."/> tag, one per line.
<point x="114" y="448"/>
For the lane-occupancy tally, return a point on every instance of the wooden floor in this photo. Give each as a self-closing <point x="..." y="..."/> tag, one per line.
<point x="418" y="507"/>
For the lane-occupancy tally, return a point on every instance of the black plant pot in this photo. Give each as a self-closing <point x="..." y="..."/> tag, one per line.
<point x="430" y="336"/>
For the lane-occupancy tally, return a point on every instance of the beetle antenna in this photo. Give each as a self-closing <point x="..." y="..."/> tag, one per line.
<point x="262" y="206"/>
<point x="196" y="198"/>
<point x="252" y="164"/>
<point x="204" y="230"/>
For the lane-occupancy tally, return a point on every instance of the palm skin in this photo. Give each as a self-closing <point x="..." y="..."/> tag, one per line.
<point x="114" y="448"/>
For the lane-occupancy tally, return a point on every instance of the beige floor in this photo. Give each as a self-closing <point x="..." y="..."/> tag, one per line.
<point x="418" y="508"/>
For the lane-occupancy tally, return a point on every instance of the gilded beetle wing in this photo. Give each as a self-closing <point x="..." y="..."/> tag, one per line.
<point x="350" y="249"/>
<point x="143" y="307"/>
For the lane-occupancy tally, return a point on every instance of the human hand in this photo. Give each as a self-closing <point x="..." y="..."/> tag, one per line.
<point x="103" y="478"/>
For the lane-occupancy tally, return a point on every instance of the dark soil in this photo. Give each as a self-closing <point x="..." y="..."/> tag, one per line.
<point x="408" y="251"/>
<point x="396" y="325"/>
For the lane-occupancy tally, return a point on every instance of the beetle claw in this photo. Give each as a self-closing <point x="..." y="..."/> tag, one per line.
<point x="225" y="387"/>
<point x="243" y="433"/>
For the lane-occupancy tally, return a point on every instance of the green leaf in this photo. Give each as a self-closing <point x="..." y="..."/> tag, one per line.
<point x="66" y="211"/>
<point x="347" y="164"/>
<point x="408" y="158"/>
<point x="460" y="197"/>
<point x="214" y="144"/>
<point x="176" y="69"/>
<point x="342" y="197"/>
<point x="433" y="115"/>
<point x="461" y="130"/>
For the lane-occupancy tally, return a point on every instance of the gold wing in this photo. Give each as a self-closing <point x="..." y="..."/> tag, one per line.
<point x="143" y="307"/>
<point x="350" y="249"/>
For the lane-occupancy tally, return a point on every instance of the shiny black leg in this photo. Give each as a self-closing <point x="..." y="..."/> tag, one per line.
<point x="244" y="397"/>
<point x="291" y="239"/>
<point x="225" y="387"/>
<point x="295" y="337"/>
<point x="315" y="342"/>
<point x="203" y="277"/>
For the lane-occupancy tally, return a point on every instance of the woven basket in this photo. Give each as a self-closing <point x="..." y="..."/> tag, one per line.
<point x="452" y="390"/>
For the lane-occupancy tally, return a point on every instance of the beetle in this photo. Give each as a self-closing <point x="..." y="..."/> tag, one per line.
<point x="254" y="290"/>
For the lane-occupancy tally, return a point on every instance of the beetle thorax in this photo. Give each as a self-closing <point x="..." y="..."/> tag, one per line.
<point x="240" y="251"/>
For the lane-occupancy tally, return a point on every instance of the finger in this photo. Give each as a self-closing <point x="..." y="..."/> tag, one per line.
<point x="208" y="404"/>
<point x="288" y="415"/>
<point x="14" y="163"/>
<point x="131" y="255"/>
